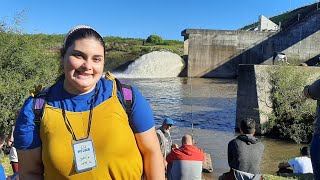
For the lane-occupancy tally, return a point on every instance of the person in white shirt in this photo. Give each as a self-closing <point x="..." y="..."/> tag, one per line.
<point x="301" y="164"/>
<point x="13" y="156"/>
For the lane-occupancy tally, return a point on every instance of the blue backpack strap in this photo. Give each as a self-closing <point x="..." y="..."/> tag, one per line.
<point x="127" y="95"/>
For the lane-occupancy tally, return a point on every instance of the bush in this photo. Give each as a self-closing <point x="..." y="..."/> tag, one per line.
<point x="292" y="117"/>
<point x="24" y="62"/>
<point x="154" y="39"/>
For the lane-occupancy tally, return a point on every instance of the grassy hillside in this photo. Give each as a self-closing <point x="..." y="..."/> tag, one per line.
<point x="288" y="18"/>
<point x="119" y="50"/>
<point x="122" y="50"/>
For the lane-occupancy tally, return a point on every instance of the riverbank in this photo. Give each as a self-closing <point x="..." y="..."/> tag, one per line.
<point x="207" y="176"/>
<point x="215" y="143"/>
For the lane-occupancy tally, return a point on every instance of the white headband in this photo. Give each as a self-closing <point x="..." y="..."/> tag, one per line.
<point x="77" y="28"/>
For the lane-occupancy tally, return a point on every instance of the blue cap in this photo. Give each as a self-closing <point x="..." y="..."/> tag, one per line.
<point x="168" y="121"/>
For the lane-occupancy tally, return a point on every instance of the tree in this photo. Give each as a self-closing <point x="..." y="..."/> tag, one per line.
<point x="25" y="61"/>
<point x="154" y="39"/>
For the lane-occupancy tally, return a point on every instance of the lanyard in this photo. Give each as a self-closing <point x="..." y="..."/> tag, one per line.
<point x="89" y="120"/>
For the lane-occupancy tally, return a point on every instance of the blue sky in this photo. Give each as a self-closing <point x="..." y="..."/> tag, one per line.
<point x="141" y="18"/>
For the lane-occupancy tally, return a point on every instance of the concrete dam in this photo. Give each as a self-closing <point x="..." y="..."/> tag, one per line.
<point x="217" y="53"/>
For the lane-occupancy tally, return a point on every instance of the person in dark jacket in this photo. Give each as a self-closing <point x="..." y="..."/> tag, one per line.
<point x="245" y="152"/>
<point x="312" y="91"/>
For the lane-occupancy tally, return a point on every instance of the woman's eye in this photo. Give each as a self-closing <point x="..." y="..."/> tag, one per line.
<point x="97" y="59"/>
<point x="79" y="56"/>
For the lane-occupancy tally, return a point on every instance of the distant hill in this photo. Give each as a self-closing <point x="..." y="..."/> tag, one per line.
<point x="120" y="51"/>
<point x="289" y="18"/>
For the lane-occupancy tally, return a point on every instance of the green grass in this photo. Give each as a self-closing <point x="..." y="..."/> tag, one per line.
<point x="289" y="176"/>
<point x="271" y="177"/>
<point x="5" y="162"/>
<point x="288" y="18"/>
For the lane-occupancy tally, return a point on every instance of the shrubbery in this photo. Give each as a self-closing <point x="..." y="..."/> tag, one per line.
<point x="154" y="39"/>
<point x="292" y="117"/>
<point x="23" y="64"/>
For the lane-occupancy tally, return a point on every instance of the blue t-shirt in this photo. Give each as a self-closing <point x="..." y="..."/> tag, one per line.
<point x="27" y="135"/>
<point x="2" y="174"/>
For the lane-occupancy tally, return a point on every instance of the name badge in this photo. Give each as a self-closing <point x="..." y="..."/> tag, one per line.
<point x="84" y="155"/>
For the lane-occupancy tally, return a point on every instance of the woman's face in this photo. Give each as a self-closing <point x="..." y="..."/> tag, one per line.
<point x="83" y="65"/>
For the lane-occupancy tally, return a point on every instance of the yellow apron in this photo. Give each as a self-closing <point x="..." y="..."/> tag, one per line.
<point x="117" y="153"/>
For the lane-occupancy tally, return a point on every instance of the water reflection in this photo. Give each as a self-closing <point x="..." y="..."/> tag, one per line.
<point x="210" y="105"/>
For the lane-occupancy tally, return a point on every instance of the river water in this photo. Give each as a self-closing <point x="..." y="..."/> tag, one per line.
<point x="207" y="105"/>
<point x="210" y="105"/>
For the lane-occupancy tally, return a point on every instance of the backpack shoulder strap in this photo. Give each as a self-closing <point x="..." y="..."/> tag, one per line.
<point x="39" y="101"/>
<point x="127" y="95"/>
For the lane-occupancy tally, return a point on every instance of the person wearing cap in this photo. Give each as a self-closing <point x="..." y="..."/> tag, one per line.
<point x="84" y="132"/>
<point x="164" y="137"/>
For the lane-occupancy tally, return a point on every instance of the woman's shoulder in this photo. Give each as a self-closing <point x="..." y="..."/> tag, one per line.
<point x="107" y="84"/>
<point x="27" y="106"/>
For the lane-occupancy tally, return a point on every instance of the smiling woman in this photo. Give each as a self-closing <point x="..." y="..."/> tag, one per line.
<point x="83" y="66"/>
<point x="84" y="132"/>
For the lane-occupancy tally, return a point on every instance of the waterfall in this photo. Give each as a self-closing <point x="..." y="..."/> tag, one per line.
<point x="156" y="64"/>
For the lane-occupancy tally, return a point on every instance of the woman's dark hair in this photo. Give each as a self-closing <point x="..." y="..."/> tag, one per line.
<point x="248" y="126"/>
<point x="80" y="32"/>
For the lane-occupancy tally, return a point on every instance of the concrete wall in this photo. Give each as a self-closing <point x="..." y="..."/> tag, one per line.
<point x="210" y="51"/>
<point x="253" y="95"/>
<point x="266" y="24"/>
<point x="300" y="42"/>
<point x="249" y="98"/>
<point x="217" y="53"/>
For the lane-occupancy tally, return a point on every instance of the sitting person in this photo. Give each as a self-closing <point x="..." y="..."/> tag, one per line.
<point x="301" y="164"/>
<point x="13" y="156"/>
<point x="164" y="137"/>
<point x="185" y="162"/>
<point x="245" y="151"/>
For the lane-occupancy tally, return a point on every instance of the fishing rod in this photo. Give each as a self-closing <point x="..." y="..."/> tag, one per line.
<point x="191" y="108"/>
<point x="207" y="166"/>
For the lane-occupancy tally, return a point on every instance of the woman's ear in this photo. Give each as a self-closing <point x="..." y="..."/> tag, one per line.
<point x="62" y="52"/>
<point x="61" y="64"/>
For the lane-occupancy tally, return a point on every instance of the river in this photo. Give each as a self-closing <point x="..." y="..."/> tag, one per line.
<point x="210" y="105"/>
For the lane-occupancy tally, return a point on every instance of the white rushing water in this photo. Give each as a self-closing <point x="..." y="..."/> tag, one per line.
<point x="157" y="64"/>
